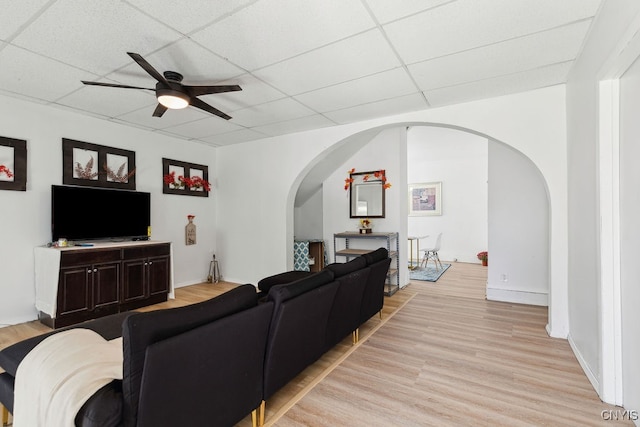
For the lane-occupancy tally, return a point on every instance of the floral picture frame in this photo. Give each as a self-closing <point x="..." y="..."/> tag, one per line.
<point x="425" y="199"/>
<point x="13" y="164"/>
<point x="93" y="165"/>
<point x="185" y="178"/>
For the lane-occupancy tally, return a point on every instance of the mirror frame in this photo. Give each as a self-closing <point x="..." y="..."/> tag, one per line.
<point x="362" y="177"/>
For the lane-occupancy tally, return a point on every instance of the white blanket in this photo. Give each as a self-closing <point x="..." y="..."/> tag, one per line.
<point x="57" y="377"/>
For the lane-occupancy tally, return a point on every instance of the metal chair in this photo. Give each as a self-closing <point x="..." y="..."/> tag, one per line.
<point x="432" y="254"/>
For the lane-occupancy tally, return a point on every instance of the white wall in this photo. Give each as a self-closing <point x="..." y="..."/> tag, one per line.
<point x="458" y="160"/>
<point x="25" y="216"/>
<point x="308" y="218"/>
<point x="630" y="234"/>
<point x="518" y="229"/>
<point x="255" y="226"/>
<point x="385" y="151"/>
<point x="584" y="285"/>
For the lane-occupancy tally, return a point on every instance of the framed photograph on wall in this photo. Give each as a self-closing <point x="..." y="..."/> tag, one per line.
<point x="13" y="164"/>
<point x="425" y="199"/>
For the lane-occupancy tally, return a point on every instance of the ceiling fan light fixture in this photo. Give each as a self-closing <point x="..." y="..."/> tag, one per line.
<point x="172" y="99"/>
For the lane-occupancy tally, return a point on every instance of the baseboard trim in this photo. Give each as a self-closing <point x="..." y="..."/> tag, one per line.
<point x="519" y="297"/>
<point x="584" y="365"/>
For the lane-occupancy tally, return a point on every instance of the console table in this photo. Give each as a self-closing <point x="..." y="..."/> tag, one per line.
<point x="77" y="283"/>
<point x="390" y="242"/>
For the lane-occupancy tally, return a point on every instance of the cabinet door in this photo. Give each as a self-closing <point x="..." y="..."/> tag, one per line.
<point x="106" y="284"/>
<point x="74" y="290"/>
<point x="133" y="280"/>
<point x="158" y="269"/>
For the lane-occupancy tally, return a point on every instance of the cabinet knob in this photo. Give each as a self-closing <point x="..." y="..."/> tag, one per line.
<point x="150" y="262"/>
<point x="89" y="271"/>
<point x="95" y="270"/>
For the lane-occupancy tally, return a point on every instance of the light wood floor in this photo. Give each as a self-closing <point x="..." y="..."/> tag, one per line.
<point x="440" y="356"/>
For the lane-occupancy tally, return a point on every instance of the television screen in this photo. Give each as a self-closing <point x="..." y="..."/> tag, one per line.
<point x="84" y="213"/>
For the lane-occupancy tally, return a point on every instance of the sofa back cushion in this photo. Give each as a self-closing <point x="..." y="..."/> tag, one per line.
<point x="298" y="328"/>
<point x="209" y="376"/>
<point x="373" y="296"/>
<point x="376" y="256"/>
<point x="140" y="330"/>
<point x="344" y="317"/>
<point x="341" y="269"/>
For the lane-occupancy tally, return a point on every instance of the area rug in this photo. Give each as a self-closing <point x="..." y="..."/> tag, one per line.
<point x="428" y="274"/>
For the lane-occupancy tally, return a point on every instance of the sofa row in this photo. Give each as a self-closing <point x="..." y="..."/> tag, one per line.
<point x="214" y="362"/>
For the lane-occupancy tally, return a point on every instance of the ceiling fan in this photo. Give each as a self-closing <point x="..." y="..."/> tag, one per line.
<point x="171" y="93"/>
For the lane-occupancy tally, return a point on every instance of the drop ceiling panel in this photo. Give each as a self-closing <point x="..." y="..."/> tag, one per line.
<point x="254" y="92"/>
<point x="270" y="31"/>
<point x="512" y="56"/>
<point x="401" y="104"/>
<point x="468" y="24"/>
<point x="22" y="11"/>
<point x="93" y="34"/>
<point x="109" y="102"/>
<point x="234" y="137"/>
<point x="211" y="125"/>
<point x="498" y="86"/>
<point x="196" y="14"/>
<point x="360" y="55"/>
<point x="197" y="65"/>
<point x="21" y="72"/>
<point x="385" y="85"/>
<point x="386" y="11"/>
<point x="271" y="112"/>
<point x="296" y="125"/>
<point x="144" y="117"/>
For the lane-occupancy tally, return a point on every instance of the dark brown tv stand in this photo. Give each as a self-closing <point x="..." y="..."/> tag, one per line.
<point x="81" y="283"/>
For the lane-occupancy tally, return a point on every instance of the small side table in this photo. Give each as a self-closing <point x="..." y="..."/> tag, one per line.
<point x="417" y="240"/>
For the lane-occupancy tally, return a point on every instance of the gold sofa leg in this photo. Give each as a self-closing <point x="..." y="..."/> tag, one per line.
<point x="380" y="312"/>
<point x="355" y="336"/>
<point x="254" y="418"/>
<point x="5" y="415"/>
<point x="261" y="413"/>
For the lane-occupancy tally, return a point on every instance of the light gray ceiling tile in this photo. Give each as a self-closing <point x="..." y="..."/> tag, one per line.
<point x="144" y="117"/>
<point x="467" y="24"/>
<point x="186" y="17"/>
<point x="109" y="102"/>
<point x="296" y="125"/>
<point x="29" y="74"/>
<point x="254" y="92"/>
<point x="270" y="31"/>
<point x="558" y="45"/>
<point x="385" y="85"/>
<point x="498" y="86"/>
<point x="401" y="104"/>
<point x="271" y="112"/>
<point x="16" y="13"/>
<point x="94" y="34"/>
<point x="358" y="56"/>
<point x="234" y="137"/>
<point x="386" y="10"/>
<point x="210" y="125"/>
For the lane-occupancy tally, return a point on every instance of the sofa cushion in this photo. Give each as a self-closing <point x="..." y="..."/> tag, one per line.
<point x="375" y="256"/>
<point x="109" y="327"/>
<point x="287" y="277"/>
<point x="140" y="330"/>
<point x="287" y="291"/>
<point x="103" y="409"/>
<point x="7" y="382"/>
<point x="341" y="269"/>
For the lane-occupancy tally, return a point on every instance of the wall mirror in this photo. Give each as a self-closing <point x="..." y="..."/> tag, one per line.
<point x="366" y="195"/>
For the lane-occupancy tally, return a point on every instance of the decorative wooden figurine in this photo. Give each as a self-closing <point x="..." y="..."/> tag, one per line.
<point x="190" y="231"/>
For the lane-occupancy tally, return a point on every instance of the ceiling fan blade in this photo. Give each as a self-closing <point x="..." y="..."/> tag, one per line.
<point x="195" y="102"/>
<point x="114" y="85"/>
<point x="208" y="90"/>
<point x="159" y="111"/>
<point x="148" y="67"/>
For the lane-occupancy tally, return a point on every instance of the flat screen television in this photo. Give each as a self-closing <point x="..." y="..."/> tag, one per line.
<point x="85" y="213"/>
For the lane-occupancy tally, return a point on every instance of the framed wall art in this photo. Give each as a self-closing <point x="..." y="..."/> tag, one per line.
<point x="187" y="179"/>
<point x="425" y="199"/>
<point x="96" y="165"/>
<point x="13" y="164"/>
